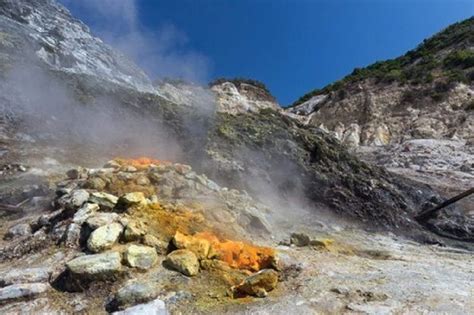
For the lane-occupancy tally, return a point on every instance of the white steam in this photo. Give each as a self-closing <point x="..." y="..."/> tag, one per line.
<point x="161" y="52"/>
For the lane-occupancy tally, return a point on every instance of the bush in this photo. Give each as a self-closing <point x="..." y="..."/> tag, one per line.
<point x="460" y="58"/>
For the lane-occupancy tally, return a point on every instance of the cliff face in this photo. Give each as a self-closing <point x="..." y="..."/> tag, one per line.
<point x="427" y="93"/>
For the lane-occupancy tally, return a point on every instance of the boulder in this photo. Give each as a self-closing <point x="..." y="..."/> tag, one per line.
<point x="143" y="180"/>
<point x="19" y="230"/>
<point x="160" y="246"/>
<point x="104" y="200"/>
<point x="104" y="237"/>
<point x="134" y="231"/>
<point x="184" y="261"/>
<point x="198" y="246"/>
<point x="112" y="164"/>
<point x="299" y="239"/>
<point x="103" y="266"/>
<point x="77" y="173"/>
<point x="102" y="218"/>
<point x="142" y="257"/>
<point x="135" y="293"/>
<point x="73" y="200"/>
<point x="155" y="307"/>
<point x="72" y="235"/>
<point x="96" y="183"/>
<point x="132" y="199"/>
<point x="26" y="275"/>
<point x="258" y="284"/>
<point x="22" y="291"/>
<point x="85" y="212"/>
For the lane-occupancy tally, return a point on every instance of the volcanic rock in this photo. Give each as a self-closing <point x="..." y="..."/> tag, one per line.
<point x="85" y="212"/>
<point x="18" y="230"/>
<point x="132" y="199"/>
<point x="299" y="239"/>
<point x="199" y="246"/>
<point x="27" y="275"/>
<point x="142" y="257"/>
<point x="104" y="200"/>
<point x="258" y="284"/>
<point x="159" y="245"/>
<point x="96" y="183"/>
<point x="77" y="173"/>
<point x="135" y="293"/>
<point x="72" y="235"/>
<point x="156" y="307"/>
<point x="23" y="291"/>
<point x="184" y="261"/>
<point x="104" y="237"/>
<point x="134" y="231"/>
<point x="101" y="218"/>
<point x="95" y="267"/>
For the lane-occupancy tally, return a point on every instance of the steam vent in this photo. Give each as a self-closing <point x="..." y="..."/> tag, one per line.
<point x="131" y="185"/>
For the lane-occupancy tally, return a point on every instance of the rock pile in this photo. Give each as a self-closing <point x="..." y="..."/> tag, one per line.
<point x="132" y="215"/>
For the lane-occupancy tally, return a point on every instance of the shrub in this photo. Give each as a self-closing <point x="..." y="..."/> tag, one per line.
<point x="460" y="58"/>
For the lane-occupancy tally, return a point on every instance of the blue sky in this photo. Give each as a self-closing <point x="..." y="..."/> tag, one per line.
<point x="293" y="46"/>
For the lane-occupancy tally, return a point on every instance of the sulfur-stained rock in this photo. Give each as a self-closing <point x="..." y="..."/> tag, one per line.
<point x="104" y="237"/>
<point x="95" y="267"/>
<point x="258" y="284"/>
<point x="112" y="164"/>
<point x="104" y="200"/>
<point x="199" y="246"/>
<point x="132" y="199"/>
<point x="134" y="231"/>
<point x="184" y="261"/>
<point x="142" y="257"/>
<point x="159" y="245"/>
<point x="143" y="180"/>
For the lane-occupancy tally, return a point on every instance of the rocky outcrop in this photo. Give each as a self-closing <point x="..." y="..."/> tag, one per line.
<point x="63" y="43"/>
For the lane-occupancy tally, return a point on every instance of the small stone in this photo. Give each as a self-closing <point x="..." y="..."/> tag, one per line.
<point x="258" y="284"/>
<point x="128" y="169"/>
<point x="22" y="291"/>
<point x="134" y="231"/>
<point x="27" y="275"/>
<point x="75" y="200"/>
<point x="184" y="261"/>
<point x="104" y="237"/>
<point x="85" y="212"/>
<point x="136" y="293"/>
<point x="132" y="199"/>
<point x="104" y="200"/>
<point x="112" y="164"/>
<point x="72" y="235"/>
<point x="96" y="183"/>
<point x="160" y="246"/>
<point x="22" y="168"/>
<point x="23" y="229"/>
<point x="156" y="307"/>
<point x="142" y="257"/>
<point x="143" y="181"/>
<point x="77" y="173"/>
<point x="95" y="267"/>
<point x="323" y="243"/>
<point x="102" y="218"/>
<point x="299" y="239"/>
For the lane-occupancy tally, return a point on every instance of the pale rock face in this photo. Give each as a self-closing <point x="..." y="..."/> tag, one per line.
<point x="385" y="116"/>
<point x="232" y="100"/>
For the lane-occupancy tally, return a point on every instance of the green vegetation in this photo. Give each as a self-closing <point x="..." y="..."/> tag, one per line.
<point x="422" y="65"/>
<point x="238" y="81"/>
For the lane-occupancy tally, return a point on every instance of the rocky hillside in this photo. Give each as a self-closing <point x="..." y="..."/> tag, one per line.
<point x="427" y="93"/>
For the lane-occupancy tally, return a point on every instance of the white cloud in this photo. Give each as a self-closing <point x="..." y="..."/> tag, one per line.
<point x="161" y="52"/>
